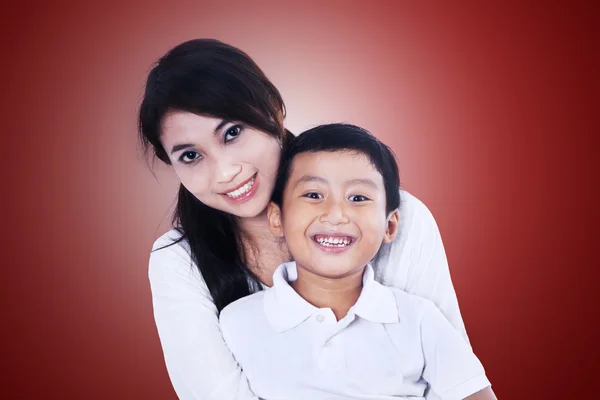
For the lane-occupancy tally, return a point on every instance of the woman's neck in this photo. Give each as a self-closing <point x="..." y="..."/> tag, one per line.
<point x="264" y="251"/>
<point x="339" y="294"/>
<point x="255" y="227"/>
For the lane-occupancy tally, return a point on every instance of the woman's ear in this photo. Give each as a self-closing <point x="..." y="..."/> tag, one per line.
<point x="391" y="228"/>
<point x="274" y="216"/>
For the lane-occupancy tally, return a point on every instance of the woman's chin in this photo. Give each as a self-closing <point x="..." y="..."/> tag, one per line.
<point x="250" y="209"/>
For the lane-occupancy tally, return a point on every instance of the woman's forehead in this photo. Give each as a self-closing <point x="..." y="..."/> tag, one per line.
<point x="181" y="121"/>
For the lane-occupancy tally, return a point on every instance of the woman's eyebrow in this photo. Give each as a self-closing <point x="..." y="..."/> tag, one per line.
<point x="220" y="125"/>
<point x="179" y="147"/>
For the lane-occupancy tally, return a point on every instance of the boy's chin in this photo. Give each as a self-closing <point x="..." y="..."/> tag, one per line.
<point x="337" y="271"/>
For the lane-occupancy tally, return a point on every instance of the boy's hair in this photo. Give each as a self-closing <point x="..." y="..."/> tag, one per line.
<point x="342" y="137"/>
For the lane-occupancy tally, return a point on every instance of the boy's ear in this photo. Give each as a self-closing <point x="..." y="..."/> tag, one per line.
<point x="274" y="216"/>
<point x="391" y="228"/>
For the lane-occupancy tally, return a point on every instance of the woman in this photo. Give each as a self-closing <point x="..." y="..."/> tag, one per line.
<point x="211" y="113"/>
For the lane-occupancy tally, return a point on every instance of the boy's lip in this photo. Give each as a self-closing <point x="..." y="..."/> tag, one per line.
<point x="323" y="241"/>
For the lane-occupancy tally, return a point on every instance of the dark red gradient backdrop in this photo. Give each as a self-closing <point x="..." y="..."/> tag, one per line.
<point x="492" y="110"/>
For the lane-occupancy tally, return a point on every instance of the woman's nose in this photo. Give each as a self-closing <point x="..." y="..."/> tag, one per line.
<point x="226" y="171"/>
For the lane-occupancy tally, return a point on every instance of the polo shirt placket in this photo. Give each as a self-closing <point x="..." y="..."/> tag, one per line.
<point x="330" y="352"/>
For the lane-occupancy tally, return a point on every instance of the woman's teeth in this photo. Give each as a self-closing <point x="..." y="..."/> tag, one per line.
<point x="331" y="241"/>
<point x="243" y="190"/>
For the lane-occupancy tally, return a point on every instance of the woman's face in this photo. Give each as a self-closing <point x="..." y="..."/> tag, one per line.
<point x="227" y="165"/>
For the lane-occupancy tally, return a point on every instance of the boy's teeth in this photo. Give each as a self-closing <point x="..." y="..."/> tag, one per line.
<point x="333" y="241"/>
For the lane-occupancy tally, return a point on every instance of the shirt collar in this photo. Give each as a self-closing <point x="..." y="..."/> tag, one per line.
<point x="376" y="303"/>
<point x="285" y="309"/>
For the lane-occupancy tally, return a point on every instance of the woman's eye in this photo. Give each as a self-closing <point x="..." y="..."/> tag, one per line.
<point x="232" y="133"/>
<point x="313" y="195"/>
<point x="358" y="197"/>
<point x="189" y="156"/>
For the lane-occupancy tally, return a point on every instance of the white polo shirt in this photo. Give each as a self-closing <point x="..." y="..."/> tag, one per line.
<point x="390" y="344"/>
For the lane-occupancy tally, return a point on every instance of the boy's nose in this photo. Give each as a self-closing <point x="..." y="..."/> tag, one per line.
<point x="334" y="214"/>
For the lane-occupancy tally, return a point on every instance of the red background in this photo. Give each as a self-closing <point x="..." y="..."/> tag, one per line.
<point x="491" y="109"/>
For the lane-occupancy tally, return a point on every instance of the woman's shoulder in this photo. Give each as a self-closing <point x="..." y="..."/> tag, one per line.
<point x="416" y="221"/>
<point x="169" y="239"/>
<point x="171" y="262"/>
<point x="411" y="207"/>
<point x="415" y="242"/>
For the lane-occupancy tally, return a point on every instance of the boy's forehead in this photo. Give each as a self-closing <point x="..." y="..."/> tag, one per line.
<point x="319" y="157"/>
<point x="335" y="165"/>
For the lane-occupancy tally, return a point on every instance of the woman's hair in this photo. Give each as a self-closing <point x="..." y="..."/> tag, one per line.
<point x="210" y="78"/>
<point x="342" y="137"/>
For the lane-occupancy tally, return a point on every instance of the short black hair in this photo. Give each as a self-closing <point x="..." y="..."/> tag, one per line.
<point x="342" y="137"/>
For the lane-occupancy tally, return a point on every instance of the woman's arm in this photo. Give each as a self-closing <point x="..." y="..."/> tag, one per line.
<point x="416" y="261"/>
<point x="198" y="361"/>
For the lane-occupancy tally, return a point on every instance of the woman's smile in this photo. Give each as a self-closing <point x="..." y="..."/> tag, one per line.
<point x="244" y="191"/>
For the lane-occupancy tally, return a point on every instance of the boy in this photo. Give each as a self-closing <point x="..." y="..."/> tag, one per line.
<point x="326" y="329"/>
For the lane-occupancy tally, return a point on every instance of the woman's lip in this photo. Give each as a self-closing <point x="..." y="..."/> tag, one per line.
<point x="248" y="195"/>
<point x="240" y="185"/>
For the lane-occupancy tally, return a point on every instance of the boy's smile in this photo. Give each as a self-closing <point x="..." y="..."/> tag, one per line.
<point x="334" y="213"/>
<point x="335" y="243"/>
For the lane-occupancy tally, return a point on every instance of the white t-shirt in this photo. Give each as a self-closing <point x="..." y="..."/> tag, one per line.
<point x="390" y="345"/>
<point x="199" y="362"/>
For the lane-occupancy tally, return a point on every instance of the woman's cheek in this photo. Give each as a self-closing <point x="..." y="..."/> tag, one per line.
<point x="193" y="182"/>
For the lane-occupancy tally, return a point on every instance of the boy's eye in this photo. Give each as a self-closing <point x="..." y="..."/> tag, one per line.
<point x="232" y="132"/>
<point x="189" y="156"/>
<point x="358" y="197"/>
<point x="313" y="195"/>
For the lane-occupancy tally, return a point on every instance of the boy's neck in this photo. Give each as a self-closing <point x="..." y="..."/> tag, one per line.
<point x="339" y="294"/>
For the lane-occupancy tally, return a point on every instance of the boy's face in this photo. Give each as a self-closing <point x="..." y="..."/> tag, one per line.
<point x="334" y="213"/>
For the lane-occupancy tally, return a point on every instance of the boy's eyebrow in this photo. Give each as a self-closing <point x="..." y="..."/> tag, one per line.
<point x="309" y="178"/>
<point x="312" y="178"/>
<point x="367" y="182"/>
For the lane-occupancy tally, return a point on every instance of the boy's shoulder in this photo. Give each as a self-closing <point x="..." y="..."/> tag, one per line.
<point x="243" y="310"/>
<point x="410" y="304"/>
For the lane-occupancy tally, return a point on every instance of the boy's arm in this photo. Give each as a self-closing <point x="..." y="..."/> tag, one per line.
<point x="416" y="261"/>
<point x="484" y="394"/>
<point x="451" y="369"/>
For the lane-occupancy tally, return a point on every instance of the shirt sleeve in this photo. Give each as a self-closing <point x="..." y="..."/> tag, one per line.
<point x="199" y="363"/>
<point x="416" y="261"/>
<point x="451" y="369"/>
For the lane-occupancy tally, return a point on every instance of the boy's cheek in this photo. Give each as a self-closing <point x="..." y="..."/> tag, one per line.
<point x="301" y="210"/>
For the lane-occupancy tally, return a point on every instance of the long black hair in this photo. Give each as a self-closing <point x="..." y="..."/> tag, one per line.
<point x="210" y="78"/>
